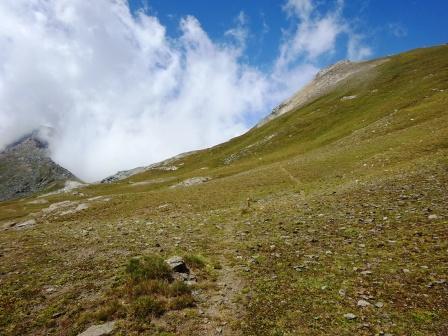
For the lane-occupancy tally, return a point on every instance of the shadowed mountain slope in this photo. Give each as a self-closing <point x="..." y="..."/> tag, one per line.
<point x="26" y="168"/>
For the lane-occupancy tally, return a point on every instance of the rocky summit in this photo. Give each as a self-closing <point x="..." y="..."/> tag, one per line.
<point x="26" y="168"/>
<point x="329" y="218"/>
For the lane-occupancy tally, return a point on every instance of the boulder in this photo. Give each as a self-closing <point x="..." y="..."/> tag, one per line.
<point x="177" y="264"/>
<point x="180" y="270"/>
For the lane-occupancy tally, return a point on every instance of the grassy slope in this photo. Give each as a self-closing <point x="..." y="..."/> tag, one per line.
<point x="339" y="203"/>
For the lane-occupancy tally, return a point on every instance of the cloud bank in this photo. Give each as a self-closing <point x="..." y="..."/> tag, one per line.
<point x="120" y="93"/>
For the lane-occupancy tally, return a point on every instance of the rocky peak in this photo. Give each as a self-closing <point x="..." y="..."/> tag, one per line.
<point x="333" y="69"/>
<point x="26" y="167"/>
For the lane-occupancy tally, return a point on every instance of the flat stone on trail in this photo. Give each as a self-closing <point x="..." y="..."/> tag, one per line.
<point x="99" y="330"/>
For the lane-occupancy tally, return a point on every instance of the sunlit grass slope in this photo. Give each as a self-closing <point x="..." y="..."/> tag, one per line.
<point x="339" y="207"/>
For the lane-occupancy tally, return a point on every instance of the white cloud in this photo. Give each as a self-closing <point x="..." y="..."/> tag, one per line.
<point x="120" y="93"/>
<point x="240" y="32"/>
<point x="356" y="50"/>
<point x="315" y="33"/>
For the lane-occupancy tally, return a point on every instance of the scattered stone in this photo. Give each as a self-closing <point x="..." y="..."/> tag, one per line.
<point x="363" y="303"/>
<point x="57" y="206"/>
<point x="348" y="98"/>
<point x="25" y="224"/>
<point x="82" y="206"/>
<point x="433" y="216"/>
<point x="181" y="270"/>
<point x="379" y="304"/>
<point x="8" y="225"/>
<point x="177" y="264"/>
<point x="192" y="181"/>
<point x="299" y="267"/>
<point x="349" y="316"/>
<point x="99" y="330"/>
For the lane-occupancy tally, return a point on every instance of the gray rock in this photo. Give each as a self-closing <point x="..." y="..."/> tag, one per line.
<point x="99" y="330"/>
<point x="433" y="216"/>
<point x="82" y="206"/>
<point x="349" y="316"/>
<point x="348" y="98"/>
<point x="177" y="264"/>
<point x="363" y="303"/>
<point x="26" y="224"/>
<point x="379" y="304"/>
<point x="192" y="181"/>
<point x="27" y="167"/>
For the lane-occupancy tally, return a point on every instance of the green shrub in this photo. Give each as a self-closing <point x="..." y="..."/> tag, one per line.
<point x="146" y="306"/>
<point x="109" y="311"/>
<point x="195" y="260"/>
<point x="181" y="302"/>
<point x="147" y="287"/>
<point x="149" y="267"/>
<point x="178" y="288"/>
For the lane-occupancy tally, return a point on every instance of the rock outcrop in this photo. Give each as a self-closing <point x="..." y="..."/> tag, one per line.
<point x="26" y="168"/>
<point x="324" y="81"/>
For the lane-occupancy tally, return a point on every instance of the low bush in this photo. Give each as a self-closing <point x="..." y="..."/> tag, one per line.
<point x="181" y="302"/>
<point x="149" y="267"/>
<point x="146" y="306"/>
<point x="178" y="288"/>
<point x="195" y="261"/>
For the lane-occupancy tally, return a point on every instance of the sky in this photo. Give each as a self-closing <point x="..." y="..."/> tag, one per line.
<point x="125" y="84"/>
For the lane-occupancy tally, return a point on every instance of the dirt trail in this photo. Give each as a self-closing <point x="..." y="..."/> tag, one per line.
<point x="291" y="177"/>
<point x="221" y="308"/>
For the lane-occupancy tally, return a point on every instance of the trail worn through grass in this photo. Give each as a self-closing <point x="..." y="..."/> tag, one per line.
<point x="221" y="305"/>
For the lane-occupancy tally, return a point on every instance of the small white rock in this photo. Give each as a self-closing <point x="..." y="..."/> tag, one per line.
<point x="379" y="304"/>
<point x="99" y="330"/>
<point x="349" y="316"/>
<point x="363" y="303"/>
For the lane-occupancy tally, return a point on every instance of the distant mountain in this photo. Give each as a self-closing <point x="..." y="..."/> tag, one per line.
<point x="26" y="168"/>
<point x="325" y="81"/>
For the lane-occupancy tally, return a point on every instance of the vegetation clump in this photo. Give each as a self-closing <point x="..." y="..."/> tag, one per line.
<point x="148" y="267"/>
<point x="152" y="290"/>
<point x="195" y="261"/>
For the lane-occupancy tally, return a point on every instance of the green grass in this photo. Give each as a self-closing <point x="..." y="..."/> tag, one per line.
<point x="339" y="203"/>
<point x="148" y="267"/>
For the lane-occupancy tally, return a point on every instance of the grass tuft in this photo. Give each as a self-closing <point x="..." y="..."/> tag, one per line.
<point x="148" y="267"/>
<point x="147" y="306"/>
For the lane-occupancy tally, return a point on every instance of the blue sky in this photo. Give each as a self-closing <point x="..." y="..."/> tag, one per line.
<point x="386" y="26"/>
